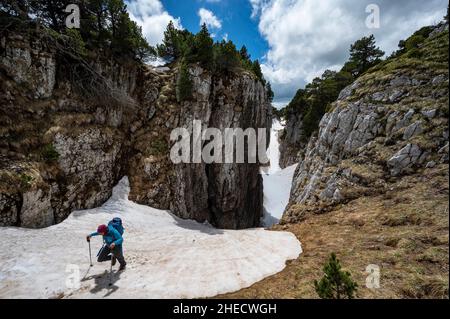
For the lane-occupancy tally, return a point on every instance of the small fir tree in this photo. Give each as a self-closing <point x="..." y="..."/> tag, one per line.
<point x="335" y="284"/>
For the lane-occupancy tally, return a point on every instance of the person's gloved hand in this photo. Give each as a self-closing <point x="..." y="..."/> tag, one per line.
<point x="112" y="246"/>
<point x="88" y="238"/>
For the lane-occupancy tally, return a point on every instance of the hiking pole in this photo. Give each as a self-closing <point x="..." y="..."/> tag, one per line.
<point x="90" y="255"/>
<point x="111" y="268"/>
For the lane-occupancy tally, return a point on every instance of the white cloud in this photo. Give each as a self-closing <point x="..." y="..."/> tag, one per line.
<point x="306" y="37"/>
<point x="257" y="6"/>
<point x="152" y="17"/>
<point x="208" y="17"/>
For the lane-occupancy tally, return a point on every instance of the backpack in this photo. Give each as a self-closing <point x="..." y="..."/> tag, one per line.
<point x="116" y="222"/>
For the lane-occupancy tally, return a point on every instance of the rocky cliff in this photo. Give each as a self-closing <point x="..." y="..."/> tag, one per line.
<point x="63" y="149"/>
<point x="391" y="122"/>
<point x="292" y="140"/>
<point x="373" y="186"/>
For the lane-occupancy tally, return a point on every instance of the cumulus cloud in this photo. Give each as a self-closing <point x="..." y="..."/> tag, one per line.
<point x="152" y="17"/>
<point x="208" y="17"/>
<point x="306" y="37"/>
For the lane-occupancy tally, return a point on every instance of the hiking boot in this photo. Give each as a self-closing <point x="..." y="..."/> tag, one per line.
<point x="113" y="260"/>
<point x="122" y="267"/>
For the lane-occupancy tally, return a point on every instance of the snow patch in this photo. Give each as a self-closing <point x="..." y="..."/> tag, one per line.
<point x="157" y="62"/>
<point x="277" y="188"/>
<point x="167" y="257"/>
<point x="277" y="182"/>
<point x="273" y="151"/>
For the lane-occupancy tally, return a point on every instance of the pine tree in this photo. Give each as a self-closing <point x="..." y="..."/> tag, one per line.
<point x="226" y="57"/>
<point x="50" y="12"/>
<point x="184" y="84"/>
<point x="335" y="284"/>
<point x="256" y="68"/>
<point x="18" y="8"/>
<point x="244" y="53"/>
<point x="245" y="57"/>
<point x="364" y="53"/>
<point x="115" y="9"/>
<point x="169" y="49"/>
<point x="203" y="47"/>
<point x="95" y="17"/>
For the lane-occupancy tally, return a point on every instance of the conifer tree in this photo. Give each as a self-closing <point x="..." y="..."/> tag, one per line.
<point x="169" y="49"/>
<point x="364" y="53"/>
<point x="226" y="57"/>
<point x="203" y="47"/>
<point x="184" y="84"/>
<point x="244" y="53"/>
<point x="335" y="284"/>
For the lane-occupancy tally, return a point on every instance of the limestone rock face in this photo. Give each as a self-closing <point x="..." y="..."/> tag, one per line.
<point x="234" y="190"/>
<point x="36" y="209"/>
<point x="392" y="121"/>
<point x="90" y="162"/>
<point x="10" y="206"/>
<point x="63" y="150"/>
<point x="226" y="195"/>
<point x="30" y="63"/>
<point x="292" y="141"/>
<point x="404" y="159"/>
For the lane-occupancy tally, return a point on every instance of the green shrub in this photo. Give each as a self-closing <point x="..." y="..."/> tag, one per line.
<point x="226" y="57"/>
<point x="424" y="31"/>
<point x="201" y="49"/>
<point x="329" y="108"/>
<point x="158" y="147"/>
<point x="335" y="284"/>
<point x="76" y="42"/>
<point x="106" y="25"/>
<point x="414" y="53"/>
<point x="219" y="57"/>
<point x="49" y="153"/>
<point x="414" y="42"/>
<point x="184" y="84"/>
<point x="26" y="180"/>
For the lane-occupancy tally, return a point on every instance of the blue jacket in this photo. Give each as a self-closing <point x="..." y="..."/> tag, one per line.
<point x="112" y="236"/>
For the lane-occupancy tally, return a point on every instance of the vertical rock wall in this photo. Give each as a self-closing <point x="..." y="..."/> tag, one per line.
<point x="62" y="150"/>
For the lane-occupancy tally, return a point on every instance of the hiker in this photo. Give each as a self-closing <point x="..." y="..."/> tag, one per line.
<point x="113" y="244"/>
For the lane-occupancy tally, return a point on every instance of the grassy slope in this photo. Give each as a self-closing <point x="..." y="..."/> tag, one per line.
<point x="404" y="231"/>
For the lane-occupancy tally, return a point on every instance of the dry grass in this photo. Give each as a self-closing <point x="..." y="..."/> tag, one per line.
<point x="405" y="232"/>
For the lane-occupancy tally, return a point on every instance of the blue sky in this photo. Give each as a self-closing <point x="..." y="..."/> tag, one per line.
<point x="296" y="40"/>
<point x="235" y="20"/>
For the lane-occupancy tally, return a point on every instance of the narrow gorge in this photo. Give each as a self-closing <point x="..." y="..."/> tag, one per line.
<point x="114" y="146"/>
<point x="73" y="157"/>
<point x="371" y="183"/>
<point x="95" y="142"/>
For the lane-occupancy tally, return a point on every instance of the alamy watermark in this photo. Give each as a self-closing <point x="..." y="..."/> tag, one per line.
<point x="73" y="278"/>
<point x="212" y="145"/>
<point x="373" y="279"/>
<point x="373" y="19"/>
<point x="73" y="19"/>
